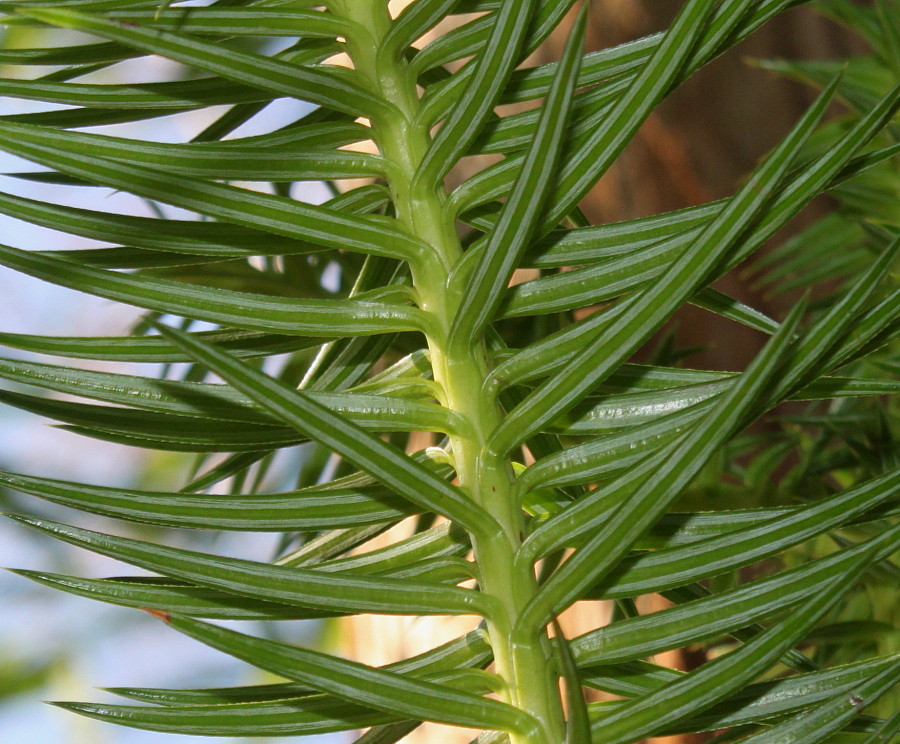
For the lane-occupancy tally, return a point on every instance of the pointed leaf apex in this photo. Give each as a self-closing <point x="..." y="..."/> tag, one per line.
<point x="166" y="617"/>
<point x="30" y="521"/>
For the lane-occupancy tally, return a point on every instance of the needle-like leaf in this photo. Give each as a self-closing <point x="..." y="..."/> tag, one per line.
<point x="257" y="312"/>
<point x="454" y="348"/>
<point x="716" y="679"/>
<point x="397" y="471"/>
<point x="316" y="86"/>
<point x="361" y="684"/>
<point x="521" y="213"/>
<point x="601" y="552"/>
<point x="493" y="66"/>
<point x="642" y="314"/>
<point x="261" y="581"/>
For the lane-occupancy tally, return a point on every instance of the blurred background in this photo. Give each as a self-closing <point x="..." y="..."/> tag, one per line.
<point x="693" y="149"/>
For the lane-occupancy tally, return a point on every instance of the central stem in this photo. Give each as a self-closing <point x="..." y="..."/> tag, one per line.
<point x="526" y="667"/>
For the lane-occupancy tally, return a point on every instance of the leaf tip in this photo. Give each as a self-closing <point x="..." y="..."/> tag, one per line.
<point x="23" y="519"/>
<point x="65" y="705"/>
<point x="160" y="614"/>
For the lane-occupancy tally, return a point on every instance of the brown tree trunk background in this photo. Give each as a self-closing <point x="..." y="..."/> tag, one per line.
<point x="695" y="148"/>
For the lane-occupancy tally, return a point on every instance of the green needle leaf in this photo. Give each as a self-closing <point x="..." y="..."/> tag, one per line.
<point x="357" y="683"/>
<point x="171" y="595"/>
<point x="578" y="726"/>
<point x="641" y="637"/>
<point x="831" y="716"/>
<point x="251" y="311"/>
<point x="283" y="78"/>
<point x="329" y="591"/>
<point x="383" y="462"/>
<point x="643" y="313"/>
<point x="610" y="543"/>
<point x="255" y="210"/>
<point x="498" y="58"/>
<point x="154" y="348"/>
<point x="721" y="676"/>
<point x="308" y="509"/>
<point x="522" y="211"/>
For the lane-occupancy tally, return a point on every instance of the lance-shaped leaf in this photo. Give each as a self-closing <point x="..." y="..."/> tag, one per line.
<point x="155" y="430"/>
<point x="237" y="309"/>
<point x="299" y="715"/>
<point x="222" y="402"/>
<point x="831" y="716"/>
<point x="332" y="543"/>
<point x="600" y="243"/>
<point x="681" y="528"/>
<point x="272" y="75"/>
<point x="266" y="212"/>
<point x="237" y="22"/>
<point x="631" y="679"/>
<point x="442" y="540"/>
<point x="78" y="54"/>
<point x="413" y="21"/>
<point x="718" y="678"/>
<point x="154" y="348"/>
<point x="240" y="162"/>
<point x="507" y="241"/>
<point x="308" y="509"/>
<point x="132" y="100"/>
<point x="578" y="725"/>
<point x="137" y="258"/>
<point x="332" y="592"/>
<point x="610" y="453"/>
<point x="640" y="407"/>
<point x="607" y="545"/>
<point x="596" y="67"/>
<point x="666" y="569"/>
<point x="642" y="314"/>
<point x="765" y="702"/>
<point x="302" y="716"/>
<point x="385" y="463"/>
<point x="676" y="627"/>
<point x="468" y="651"/>
<point x="215" y="240"/>
<point x="358" y="683"/>
<point x="591" y="158"/>
<point x="493" y="66"/>
<point x="171" y="595"/>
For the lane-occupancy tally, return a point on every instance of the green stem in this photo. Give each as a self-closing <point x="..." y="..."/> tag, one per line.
<point x="525" y="665"/>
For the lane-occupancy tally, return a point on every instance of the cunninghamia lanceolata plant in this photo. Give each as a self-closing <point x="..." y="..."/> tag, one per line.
<point x="561" y="468"/>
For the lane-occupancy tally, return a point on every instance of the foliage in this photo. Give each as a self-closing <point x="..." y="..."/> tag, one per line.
<point x="562" y="470"/>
